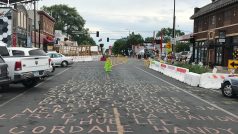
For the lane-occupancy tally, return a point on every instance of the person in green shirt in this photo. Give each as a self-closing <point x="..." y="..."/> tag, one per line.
<point x="108" y="65"/>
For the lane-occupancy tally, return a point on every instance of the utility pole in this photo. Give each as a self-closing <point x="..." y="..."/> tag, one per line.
<point x="174" y="18"/>
<point x="35" y="22"/>
<point x="39" y="32"/>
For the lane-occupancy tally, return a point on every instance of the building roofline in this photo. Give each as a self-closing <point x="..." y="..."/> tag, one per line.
<point x="216" y="5"/>
<point x="46" y="14"/>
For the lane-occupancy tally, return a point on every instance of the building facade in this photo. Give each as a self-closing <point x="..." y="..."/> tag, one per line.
<point x="215" y="32"/>
<point x="44" y="30"/>
<point x="14" y="26"/>
<point x="20" y="27"/>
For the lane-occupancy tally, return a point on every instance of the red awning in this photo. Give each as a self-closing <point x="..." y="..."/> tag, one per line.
<point x="48" y="40"/>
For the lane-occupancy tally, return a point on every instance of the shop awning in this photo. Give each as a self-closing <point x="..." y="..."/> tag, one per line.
<point x="48" y="41"/>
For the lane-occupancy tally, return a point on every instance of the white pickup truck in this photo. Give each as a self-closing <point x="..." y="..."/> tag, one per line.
<point x="26" y="68"/>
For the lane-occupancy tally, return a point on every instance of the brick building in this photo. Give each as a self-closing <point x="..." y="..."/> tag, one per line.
<point x="44" y="29"/>
<point x="215" y="32"/>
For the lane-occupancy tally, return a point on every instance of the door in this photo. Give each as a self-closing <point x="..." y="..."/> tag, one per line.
<point x="219" y="55"/>
<point x="211" y="57"/>
<point x="57" y="58"/>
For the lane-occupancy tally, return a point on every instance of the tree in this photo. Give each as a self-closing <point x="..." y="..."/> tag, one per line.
<point x="134" y="39"/>
<point x="149" y="39"/>
<point x="168" y="34"/>
<point x="119" y="46"/>
<point x="68" y="20"/>
<point x="122" y="45"/>
<point x="180" y="46"/>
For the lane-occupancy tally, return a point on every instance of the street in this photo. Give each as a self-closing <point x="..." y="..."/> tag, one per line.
<point x="84" y="99"/>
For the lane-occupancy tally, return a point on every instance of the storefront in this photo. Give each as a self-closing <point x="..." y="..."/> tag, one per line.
<point x="215" y="53"/>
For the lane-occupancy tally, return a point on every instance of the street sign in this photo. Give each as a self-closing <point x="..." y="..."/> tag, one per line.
<point x="168" y="45"/>
<point x="233" y="64"/>
<point x="173" y="40"/>
<point x="222" y="40"/>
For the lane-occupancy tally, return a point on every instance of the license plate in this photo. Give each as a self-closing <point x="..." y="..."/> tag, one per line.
<point x="36" y="73"/>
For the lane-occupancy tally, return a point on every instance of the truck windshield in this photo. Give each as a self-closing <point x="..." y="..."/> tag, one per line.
<point x="3" y="51"/>
<point x="37" y="52"/>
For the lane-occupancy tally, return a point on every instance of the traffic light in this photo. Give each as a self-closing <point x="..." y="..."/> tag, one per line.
<point x="101" y="45"/>
<point x="97" y="34"/>
<point x="108" y="39"/>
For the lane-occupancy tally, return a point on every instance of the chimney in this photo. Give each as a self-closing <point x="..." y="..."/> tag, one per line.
<point x="196" y="9"/>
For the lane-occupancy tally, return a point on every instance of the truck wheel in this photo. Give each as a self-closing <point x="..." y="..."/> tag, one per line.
<point x="30" y="83"/>
<point x="53" y="69"/>
<point x="227" y="91"/>
<point x="64" y="64"/>
<point x="5" y="87"/>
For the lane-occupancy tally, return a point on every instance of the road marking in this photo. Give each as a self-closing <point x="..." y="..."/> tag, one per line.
<point x="120" y="128"/>
<point x="195" y="96"/>
<point x="35" y="86"/>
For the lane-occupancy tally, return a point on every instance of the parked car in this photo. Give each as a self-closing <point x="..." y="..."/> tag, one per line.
<point x="4" y="78"/>
<point x="20" y="51"/>
<point x="59" y="59"/>
<point x="229" y="87"/>
<point x="184" y="55"/>
<point x="26" y="65"/>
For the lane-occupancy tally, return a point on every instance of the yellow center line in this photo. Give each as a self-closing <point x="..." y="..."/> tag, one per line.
<point x="120" y="128"/>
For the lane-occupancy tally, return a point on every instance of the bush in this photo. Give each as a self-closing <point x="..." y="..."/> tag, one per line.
<point x="193" y="68"/>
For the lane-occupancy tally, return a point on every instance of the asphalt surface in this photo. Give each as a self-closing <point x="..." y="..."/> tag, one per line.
<point x="131" y="99"/>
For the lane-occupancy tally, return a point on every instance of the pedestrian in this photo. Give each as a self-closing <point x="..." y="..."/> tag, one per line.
<point x="108" y="65"/>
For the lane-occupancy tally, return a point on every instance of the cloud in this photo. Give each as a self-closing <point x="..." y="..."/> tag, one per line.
<point x="114" y="16"/>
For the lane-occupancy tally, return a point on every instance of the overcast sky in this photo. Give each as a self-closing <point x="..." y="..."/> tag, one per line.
<point x="116" y="18"/>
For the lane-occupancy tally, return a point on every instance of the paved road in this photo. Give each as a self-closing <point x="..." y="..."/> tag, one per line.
<point x="131" y="99"/>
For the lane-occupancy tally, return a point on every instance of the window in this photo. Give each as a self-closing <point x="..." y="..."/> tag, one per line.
<point x="235" y="39"/>
<point x="3" y="51"/>
<point x="213" y="20"/>
<point x="37" y="52"/>
<point x="19" y="19"/>
<point x="50" y="55"/>
<point x="18" y="53"/>
<point x="227" y="16"/>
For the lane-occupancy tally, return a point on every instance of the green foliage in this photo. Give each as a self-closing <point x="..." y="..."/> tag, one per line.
<point x="180" y="46"/>
<point x="119" y="45"/>
<point x="149" y="39"/>
<point x="126" y="43"/>
<point x="193" y="68"/>
<point x="68" y="20"/>
<point x="168" y="33"/>
<point x="135" y="39"/>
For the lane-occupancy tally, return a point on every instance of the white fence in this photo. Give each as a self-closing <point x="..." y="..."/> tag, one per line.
<point x="206" y="80"/>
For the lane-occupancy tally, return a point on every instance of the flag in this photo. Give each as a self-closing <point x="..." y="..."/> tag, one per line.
<point x="100" y="40"/>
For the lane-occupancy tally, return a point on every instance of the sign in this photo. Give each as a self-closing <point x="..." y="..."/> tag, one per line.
<point x="232" y="64"/>
<point x="168" y="45"/>
<point x="222" y="40"/>
<point x="173" y="40"/>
